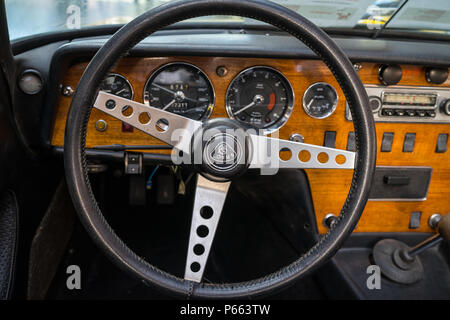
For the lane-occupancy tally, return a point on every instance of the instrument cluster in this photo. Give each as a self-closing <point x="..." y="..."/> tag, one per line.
<point x="260" y="97"/>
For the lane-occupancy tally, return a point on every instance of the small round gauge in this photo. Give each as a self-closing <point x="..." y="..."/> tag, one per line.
<point x="118" y="85"/>
<point x="180" y="88"/>
<point x="260" y="97"/>
<point x="320" y="100"/>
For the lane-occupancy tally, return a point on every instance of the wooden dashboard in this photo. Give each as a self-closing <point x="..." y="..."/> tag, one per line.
<point x="329" y="187"/>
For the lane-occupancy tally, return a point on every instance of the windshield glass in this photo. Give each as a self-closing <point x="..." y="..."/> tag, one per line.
<point x="27" y="18"/>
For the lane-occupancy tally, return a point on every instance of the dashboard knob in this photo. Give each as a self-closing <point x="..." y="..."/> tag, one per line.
<point x="390" y="74"/>
<point x="445" y="107"/>
<point x="330" y="220"/>
<point x="436" y="75"/>
<point x="375" y="103"/>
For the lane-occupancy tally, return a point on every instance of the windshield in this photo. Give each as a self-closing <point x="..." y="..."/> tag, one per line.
<point x="27" y="18"/>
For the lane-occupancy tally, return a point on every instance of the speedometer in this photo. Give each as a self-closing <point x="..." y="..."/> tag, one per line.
<point x="180" y="88"/>
<point x="260" y="97"/>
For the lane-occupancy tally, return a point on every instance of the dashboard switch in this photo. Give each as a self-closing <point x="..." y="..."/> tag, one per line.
<point x="408" y="144"/>
<point x="351" y="143"/>
<point x="414" y="220"/>
<point x="441" y="145"/>
<point x="133" y="163"/>
<point x="330" y="139"/>
<point x="386" y="143"/>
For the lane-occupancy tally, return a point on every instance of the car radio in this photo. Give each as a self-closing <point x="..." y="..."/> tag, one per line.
<point x="408" y="104"/>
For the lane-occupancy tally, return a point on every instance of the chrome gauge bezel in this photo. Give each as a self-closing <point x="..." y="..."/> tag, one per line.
<point x="289" y="109"/>
<point x="123" y="78"/>
<point x="211" y="106"/>
<point x="329" y="113"/>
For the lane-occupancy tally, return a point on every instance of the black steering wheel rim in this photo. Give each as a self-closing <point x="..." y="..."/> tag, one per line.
<point x="151" y="21"/>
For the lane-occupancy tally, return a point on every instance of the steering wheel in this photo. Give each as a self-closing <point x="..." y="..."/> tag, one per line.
<point x="220" y="150"/>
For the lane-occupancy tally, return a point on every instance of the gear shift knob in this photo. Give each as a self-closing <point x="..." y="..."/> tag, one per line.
<point x="399" y="262"/>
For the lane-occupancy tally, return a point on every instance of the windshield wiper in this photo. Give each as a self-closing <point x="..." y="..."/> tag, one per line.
<point x="378" y="32"/>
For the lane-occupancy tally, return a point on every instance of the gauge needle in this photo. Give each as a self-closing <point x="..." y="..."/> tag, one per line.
<point x="162" y="88"/>
<point x="120" y="91"/>
<point x="245" y="108"/>
<point x="173" y="92"/>
<point x="169" y="104"/>
<point x="310" y="102"/>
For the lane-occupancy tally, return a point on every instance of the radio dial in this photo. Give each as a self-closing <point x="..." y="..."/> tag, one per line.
<point x="446" y="107"/>
<point x="375" y="103"/>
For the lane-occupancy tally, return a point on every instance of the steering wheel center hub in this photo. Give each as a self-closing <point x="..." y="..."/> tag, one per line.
<point x="224" y="148"/>
<point x="223" y="152"/>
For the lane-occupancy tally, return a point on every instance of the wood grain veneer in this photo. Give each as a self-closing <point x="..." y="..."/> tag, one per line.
<point x="329" y="187"/>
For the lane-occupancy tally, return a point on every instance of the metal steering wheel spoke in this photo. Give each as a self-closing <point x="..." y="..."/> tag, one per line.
<point x="266" y="155"/>
<point x="208" y="204"/>
<point x="168" y="127"/>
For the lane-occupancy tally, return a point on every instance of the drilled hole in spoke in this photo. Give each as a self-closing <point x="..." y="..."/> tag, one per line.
<point x="199" y="249"/>
<point x="110" y="104"/>
<point x="340" y="159"/>
<point x="304" y="156"/>
<point x="206" y="212"/>
<point x="285" y="154"/>
<point x="162" y="125"/>
<point x="202" y="231"/>
<point x="127" y="111"/>
<point x="322" y="157"/>
<point x="195" y="267"/>
<point x="144" y="118"/>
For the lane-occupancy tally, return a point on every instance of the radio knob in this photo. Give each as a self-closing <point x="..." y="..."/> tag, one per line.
<point x="375" y="103"/>
<point x="445" y="107"/>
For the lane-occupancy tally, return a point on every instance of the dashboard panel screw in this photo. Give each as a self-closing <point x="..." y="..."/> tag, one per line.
<point x="67" y="91"/>
<point x="222" y="71"/>
<point x="297" y="137"/>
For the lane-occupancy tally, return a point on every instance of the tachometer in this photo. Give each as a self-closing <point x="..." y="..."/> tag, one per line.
<point x="118" y="85"/>
<point x="260" y="97"/>
<point x="180" y="88"/>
